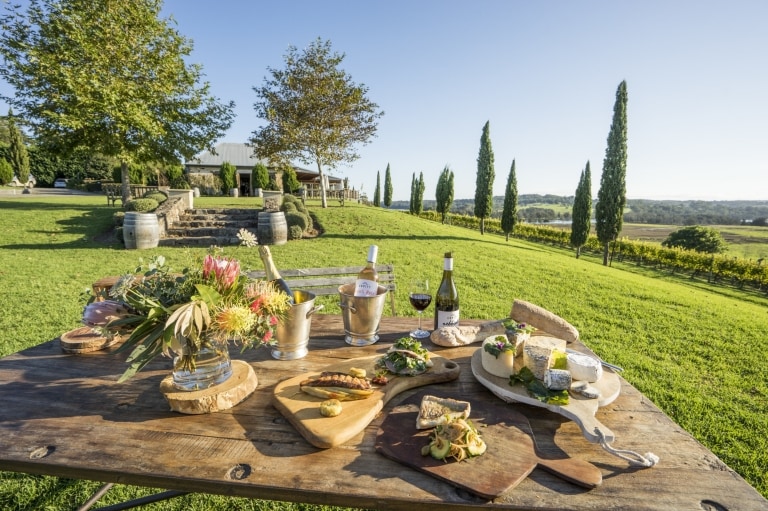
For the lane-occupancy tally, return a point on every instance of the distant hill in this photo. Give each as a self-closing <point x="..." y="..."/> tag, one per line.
<point x="542" y="208"/>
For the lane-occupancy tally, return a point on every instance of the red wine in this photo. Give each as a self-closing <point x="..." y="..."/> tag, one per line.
<point x="419" y="301"/>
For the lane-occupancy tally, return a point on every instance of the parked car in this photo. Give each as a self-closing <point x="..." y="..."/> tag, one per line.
<point x="60" y="183"/>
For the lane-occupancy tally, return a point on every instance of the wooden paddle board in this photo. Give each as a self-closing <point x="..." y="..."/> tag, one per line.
<point x="303" y="410"/>
<point x="579" y="409"/>
<point x="509" y="458"/>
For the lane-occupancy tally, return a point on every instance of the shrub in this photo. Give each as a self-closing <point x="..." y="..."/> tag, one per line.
<point x="209" y="184"/>
<point x="289" y="207"/>
<point x="6" y="172"/>
<point x="295" y="232"/>
<point x="297" y="219"/>
<point x="119" y="218"/>
<point x="292" y="199"/>
<point x="141" y="205"/>
<point x="260" y="176"/>
<point x="160" y="197"/>
<point x="227" y="174"/>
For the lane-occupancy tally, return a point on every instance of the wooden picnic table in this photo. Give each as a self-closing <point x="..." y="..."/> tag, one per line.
<point x="65" y="415"/>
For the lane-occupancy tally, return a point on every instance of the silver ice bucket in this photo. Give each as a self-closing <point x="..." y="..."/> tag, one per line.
<point x="293" y="331"/>
<point x="361" y="314"/>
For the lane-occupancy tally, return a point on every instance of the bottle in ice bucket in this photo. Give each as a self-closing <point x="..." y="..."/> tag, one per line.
<point x="447" y="297"/>
<point x="367" y="283"/>
<point x="272" y="274"/>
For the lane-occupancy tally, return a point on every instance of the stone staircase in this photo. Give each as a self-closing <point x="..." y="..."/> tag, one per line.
<point x="206" y="227"/>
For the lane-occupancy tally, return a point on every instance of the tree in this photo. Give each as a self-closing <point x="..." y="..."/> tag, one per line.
<point x="412" y="202"/>
<point x="290" y="180"/>
<point x="612" y="196"/>
<point x="388" y="190"/>
<point x="444" y="193"/>
<point x="695" y="237"/>
<point x="6" y="172"/>
<point x="227" y="174"/>
<point x="485" y="177"/>
<point x="109" y="76"/>
<point x="377" y="191"/>
<point x="581" y="218"/>
<point x="17" y="151"/>
<point x="509" y="212"/>
<point x="260" y="176"/>
<point x="314" y="111"/>
<point x="418" y="202"/>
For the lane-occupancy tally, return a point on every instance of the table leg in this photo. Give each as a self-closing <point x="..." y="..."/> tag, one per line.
<point x="129" y="504"/>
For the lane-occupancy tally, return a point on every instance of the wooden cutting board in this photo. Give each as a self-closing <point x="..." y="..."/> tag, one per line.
<point x="303" y="410"/>
<point x="579" y="409"/>
<point x="509" y="458"/>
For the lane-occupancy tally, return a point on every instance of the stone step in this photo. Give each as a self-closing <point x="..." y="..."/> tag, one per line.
<point x="198" y="241"/>
<point x="221" y="223"/>
<point x="211" y="226"/>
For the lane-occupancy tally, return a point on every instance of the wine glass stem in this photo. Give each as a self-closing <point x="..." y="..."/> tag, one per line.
<point x="420" y="320"/>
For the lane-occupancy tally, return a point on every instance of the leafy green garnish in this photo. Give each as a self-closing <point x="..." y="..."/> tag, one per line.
<point x="537" y="389"/>
<point x="403" y="363"/>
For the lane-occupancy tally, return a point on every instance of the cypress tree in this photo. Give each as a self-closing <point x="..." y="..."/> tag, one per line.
<point x="509" y="213"/>
<point x="581" y="216"/>
<point x="17" y="151"/>
<point x="377" y="192"/>
<point x="444" y="193"/>
<point x="388" y="190"/>
<point x="412" y="204"/>
<point x="485" y="176"/>
<point x="418" y="203"/>
<point x="612" y="196"/>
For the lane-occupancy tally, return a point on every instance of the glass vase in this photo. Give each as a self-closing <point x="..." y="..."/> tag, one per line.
<point x="212" y="367"/>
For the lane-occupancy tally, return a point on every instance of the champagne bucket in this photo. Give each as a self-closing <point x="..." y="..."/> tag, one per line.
<point x="361" y="315"/>
<point x="293" y="331"/>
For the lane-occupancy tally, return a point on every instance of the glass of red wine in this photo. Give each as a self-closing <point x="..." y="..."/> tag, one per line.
<point x="420" y="298"/>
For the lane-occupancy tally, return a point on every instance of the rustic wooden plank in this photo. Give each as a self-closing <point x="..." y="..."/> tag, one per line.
<point x="65" y="415"/>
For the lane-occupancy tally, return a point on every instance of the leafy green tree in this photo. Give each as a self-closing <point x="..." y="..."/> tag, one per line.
<point x="485" y="177"/>
<point x="509" y="212"/>
<point x="17" y="150"/>
<point x="444" y="193"/>
<point x="612" y="196"/>
<point x="695" y="237"/>
<point x="388" y="190"/>
<point x="6" y="172"/>
<point x="314" y="111"/>
<point x="227" y="173"/>
<point x="412" y="202"/>
<point x="377" y="191"/>
<point x="290" y="180"/>
<point x="418" y="199"/>
<point x="110" y="76"/>
<point x="581" y="218"/>
<point x="260" y="176"/>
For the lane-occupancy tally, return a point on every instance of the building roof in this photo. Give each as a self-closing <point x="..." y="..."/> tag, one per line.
<point x="239" y="155"/>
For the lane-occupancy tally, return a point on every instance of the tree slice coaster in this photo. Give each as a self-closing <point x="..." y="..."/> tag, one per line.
<point x="225" y="395"/>
<point x="84" y="340"/>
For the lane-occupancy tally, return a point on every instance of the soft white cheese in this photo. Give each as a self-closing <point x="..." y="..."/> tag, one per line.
<point x="584" y="367"/>
<point x="503" y="365"/>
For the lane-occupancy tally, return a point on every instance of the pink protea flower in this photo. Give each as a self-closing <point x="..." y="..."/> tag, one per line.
<point x="267" y="336"/>
<point x="256" y="304"/>
<point x="100" y="314"/>
<point x="224" y="271"/>
<point x="273" y="320"/>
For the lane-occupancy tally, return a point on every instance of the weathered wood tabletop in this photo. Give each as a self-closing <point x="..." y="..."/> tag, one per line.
<point x="65" y="415"/>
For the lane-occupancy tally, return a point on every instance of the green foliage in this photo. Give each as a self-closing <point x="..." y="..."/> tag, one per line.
<point x="297" y="218"/>
<point x="141" y="205"/>
<point x="581" y="218"/>
<point x="315" y="113"/>
<point x="6" y="172"/>
<point x="444" y="192"/>
<point x="612" y="196"/>
<point x="295" y="232"/>
<point x="89" y="82"/>
<point x="227" y="174"/>
<point x="509" y="211"/>
<point x="377" y="191"/>
<point x="158" y="196"/>
<point x="118" y="218"/>
<point x="19" y="158"/>
<point x="418" y="194"/>
<point x="260" y="176"/>
<point x="290" y="180"/>
<point x="485" y="177"/>
<point x="697" y="238"/>
<point x="388" y="189"/>
<point x="208" y="184"/>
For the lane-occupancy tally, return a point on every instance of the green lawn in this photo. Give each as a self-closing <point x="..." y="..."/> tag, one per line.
<point x="695" y="351"/>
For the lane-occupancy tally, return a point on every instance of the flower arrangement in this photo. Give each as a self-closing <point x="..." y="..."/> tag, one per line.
<point x="167" y="312"/>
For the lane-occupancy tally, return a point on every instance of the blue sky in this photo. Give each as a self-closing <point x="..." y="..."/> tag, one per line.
<point x="543" y="73"/>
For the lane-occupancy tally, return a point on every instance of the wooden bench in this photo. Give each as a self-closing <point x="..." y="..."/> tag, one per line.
<point x="113" y="191"/>
<point x="326" y="281"/>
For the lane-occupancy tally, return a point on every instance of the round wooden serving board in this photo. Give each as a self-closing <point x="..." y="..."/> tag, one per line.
<point x="219" y="397"/>
<point x="303" y="410"/>
<point x="579" y="409"/>
<point x="85" y="340"/>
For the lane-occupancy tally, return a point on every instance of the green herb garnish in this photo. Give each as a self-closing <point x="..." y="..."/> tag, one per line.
<point x="499" y="345"/>
<point x="537" y="389"/>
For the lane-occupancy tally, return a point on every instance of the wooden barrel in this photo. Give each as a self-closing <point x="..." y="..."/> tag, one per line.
<point x="141" y="230"/>
<point x="272" y="228"/>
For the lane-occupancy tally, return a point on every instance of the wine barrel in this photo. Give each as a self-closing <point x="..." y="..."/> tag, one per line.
<point x="272" y="228"/>
<point x="141" y="230"/>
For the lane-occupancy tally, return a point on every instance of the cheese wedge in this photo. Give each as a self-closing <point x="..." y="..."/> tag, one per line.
<point x="584" y="367"/>
<point x="557" y="379"/>
<point x="439" y="410"/>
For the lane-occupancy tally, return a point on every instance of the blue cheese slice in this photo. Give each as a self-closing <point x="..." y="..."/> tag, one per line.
<point x="557" y="379"/>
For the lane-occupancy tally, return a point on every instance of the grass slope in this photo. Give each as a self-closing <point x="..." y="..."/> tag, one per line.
<point x="695" y="351"/>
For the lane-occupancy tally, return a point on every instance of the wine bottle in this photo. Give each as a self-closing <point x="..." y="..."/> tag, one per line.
<point x="272" y="274"/>
<point x="367" y="283"/>
<point x="447" y="297"/>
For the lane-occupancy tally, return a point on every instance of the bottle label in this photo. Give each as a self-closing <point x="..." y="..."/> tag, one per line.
<point x="366" y="287"/>
<point x="447" y="318"/>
